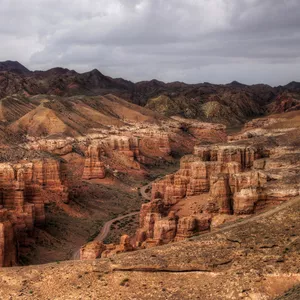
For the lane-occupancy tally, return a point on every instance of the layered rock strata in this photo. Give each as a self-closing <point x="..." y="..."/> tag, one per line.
<point x="221" y="179"/>
<point x="96" y="249"/>
<point x="8" y="251"/>
<point x="130" y="146"/>
<point x="93" y="166"/>
<point x="22" y="200"/>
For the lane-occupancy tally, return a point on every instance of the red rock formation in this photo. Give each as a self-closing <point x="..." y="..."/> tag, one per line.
<point x="93" y="167"/>
<point x="235" y="179"/>
<point x="123" y="144"/>
<point x="8" y="250"/>
<point x="92" y="250"/>
<point x="220" y="193"/>
<point x="123" y="246"/>
<point x="186" y="227"/>
<point x="175" y="191"/>
<point x="22" y="203"/>
<point x="245" y="155"/>
<point x="191" y="225"/>
<point x="245" y="200"/>
<point x="149" y="214"/>
<point x="55" y="146"/>
<point x="165" y="229"/>
<point x="156" y="144"/>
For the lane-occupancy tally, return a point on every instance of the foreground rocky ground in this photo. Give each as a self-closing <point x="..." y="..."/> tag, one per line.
<point x="256" y="259"/>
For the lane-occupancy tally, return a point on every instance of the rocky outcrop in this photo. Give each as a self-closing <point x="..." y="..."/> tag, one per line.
<point x="186" y="227"/>
<point x="165" y="229"/>
<point x="93" y="166"/>
<point x="124" y="246"/>
<point x="55" y="146"/>
<point x="245" y="200"/>
<point x="152" y="146"/>
<point x="245" y="155"/>
<point x="124" y="145"/>
<point x="96" y="249"/>
<point x="8" y="251"/>
<point x="22" y="201"/>
<point x="191" y="225"/>
<point x="194" y="178"/>
<point x="230" y="179"/>
<point x="220" y="194"/>
<point x="92" y="250"/>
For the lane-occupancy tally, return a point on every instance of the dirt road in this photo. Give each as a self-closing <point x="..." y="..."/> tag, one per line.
<point x="106" y="228"/>
<point x="143" y="191"/>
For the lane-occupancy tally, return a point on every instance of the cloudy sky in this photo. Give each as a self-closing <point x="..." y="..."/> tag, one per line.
<point x="186" y="40"/>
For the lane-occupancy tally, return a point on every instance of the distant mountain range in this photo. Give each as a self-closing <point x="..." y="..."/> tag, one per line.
<point x="231" y="103"/>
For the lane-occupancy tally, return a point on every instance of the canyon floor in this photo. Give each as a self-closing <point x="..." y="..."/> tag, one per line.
<point x="69" y="227"/>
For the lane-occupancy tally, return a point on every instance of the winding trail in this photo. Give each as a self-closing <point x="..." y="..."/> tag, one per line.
<point x="143" y="191"/>
<point x="106" y="228"/>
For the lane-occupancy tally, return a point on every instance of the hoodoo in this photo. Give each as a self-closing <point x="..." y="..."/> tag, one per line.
<point x="93" y="166"/>
<point x="25" y="188"/>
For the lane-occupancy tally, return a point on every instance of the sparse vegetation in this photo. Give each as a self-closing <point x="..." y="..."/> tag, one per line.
<point x="124" y="281"/>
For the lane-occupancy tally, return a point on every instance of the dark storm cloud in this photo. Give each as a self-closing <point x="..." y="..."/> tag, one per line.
<point x="187" y="40"/>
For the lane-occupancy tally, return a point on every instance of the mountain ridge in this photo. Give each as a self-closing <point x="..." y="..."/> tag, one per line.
<point x="13" y="66"/>
<point x="231" y="104"/>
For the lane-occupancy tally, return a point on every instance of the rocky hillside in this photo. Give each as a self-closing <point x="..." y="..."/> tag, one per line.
<point x="231" y="104"/>
<point x="14" y="67"/>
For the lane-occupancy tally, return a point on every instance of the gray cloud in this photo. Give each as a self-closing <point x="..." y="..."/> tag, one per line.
<point x="193" y="41"/>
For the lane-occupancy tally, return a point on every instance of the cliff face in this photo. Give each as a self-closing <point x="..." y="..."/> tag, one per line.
<point x="129" y="151"/>
<point x="230" y="179"/>
<point x="93" y="167"/>
<point x="92" y="250"/>
<point x="116" y="148"/>
<point x="22" y="203"/>
<point x="8" y="253"/>
<point x="96" y="249"/>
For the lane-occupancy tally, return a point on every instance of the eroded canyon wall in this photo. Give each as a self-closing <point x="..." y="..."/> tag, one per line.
<point x="25" y="187"/>
<point x="229" y="179"/>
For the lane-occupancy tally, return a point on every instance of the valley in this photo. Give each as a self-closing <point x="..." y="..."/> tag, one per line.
<point x="148" y="190"/>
